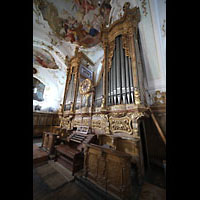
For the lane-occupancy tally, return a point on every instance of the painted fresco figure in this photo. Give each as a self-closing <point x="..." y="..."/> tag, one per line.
<point x="86" y="5"/>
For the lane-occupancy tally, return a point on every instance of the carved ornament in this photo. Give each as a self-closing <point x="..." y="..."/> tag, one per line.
<point x="122" y="124"/>
<point x="159" y="98"/>
<point x="137" y="96"/>
<point x="125" y="27"/>
<point x="66" y="122"/>
<point x="85" y="86"/>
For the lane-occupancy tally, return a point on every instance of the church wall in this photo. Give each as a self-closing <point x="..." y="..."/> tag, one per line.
<point x="54" y="81"/>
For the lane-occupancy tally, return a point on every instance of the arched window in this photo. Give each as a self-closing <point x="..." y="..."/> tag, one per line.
<point x="38" y="90"/>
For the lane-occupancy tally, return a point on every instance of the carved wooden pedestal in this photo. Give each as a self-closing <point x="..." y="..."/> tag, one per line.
<point x="109" y="170"/>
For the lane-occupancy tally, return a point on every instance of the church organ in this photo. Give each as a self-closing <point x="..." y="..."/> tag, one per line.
<point x="113" y="109"/>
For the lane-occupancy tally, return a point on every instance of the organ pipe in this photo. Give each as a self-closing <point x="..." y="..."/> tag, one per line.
<point x="118" y="72"/>
<point x="111" y="84"/>
<point x="120" y="77"/>
<point x="123" y="60"/>
<point x="127" y="80"/>
<point x="131" y="80"/>
<point x="122" y="72"/>
<point x="115" y="76"/>
<point x="109" y="88"/>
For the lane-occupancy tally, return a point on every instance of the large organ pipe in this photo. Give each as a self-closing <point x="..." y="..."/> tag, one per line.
<point x="131" y="80"/>
<point x="122" y="71"/>
<point x="111" y="84"/>
<point x="69" y="94"/>
<point x="115" y="74"/>
<point x="127" y="79"/>
<point x="109" y="88"/>
<point x="120" y="76"/>
<point x="118" y="71"/>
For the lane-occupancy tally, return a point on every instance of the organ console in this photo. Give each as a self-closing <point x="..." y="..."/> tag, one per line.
<point x="71" y="154"/>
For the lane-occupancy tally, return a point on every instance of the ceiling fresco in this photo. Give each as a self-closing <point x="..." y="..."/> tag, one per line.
<point x="76" y="21"/>
<point x="43" y="58"/>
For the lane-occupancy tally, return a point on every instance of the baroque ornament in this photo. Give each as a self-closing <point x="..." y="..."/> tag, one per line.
<point x="85" y="86"/>
<point x="122" y="124"/>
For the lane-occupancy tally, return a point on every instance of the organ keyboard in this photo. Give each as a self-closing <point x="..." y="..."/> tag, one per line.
<point x="71" y="154"/>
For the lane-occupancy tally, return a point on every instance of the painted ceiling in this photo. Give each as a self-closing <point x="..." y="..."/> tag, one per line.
<point x="76" y="21"/>
<point x="43" y="58"/>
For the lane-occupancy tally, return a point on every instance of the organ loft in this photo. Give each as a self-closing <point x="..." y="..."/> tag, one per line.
<point x="106" y="136"/>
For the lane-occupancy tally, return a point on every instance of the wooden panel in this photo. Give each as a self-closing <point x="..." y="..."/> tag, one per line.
<point x="109" y="170"/>
<point x="154" y="142"/>
<point x="114" y="176"/>
<point x="44" y="122"/>
<point x="127" y="146"/>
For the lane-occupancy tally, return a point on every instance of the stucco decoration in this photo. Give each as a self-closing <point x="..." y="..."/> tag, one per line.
<point x="77" y="21"/>
<point x="117" y="9"/>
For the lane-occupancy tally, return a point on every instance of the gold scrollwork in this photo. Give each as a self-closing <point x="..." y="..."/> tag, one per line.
<point x="110" y="54"/>
<point x="66" y="122"/>
<point x="123" y="27"/>
<point x="96" y="124"/>
<point x="125" y="43"/>
<point x="122" y="124"/>
<point x="134" y="118"/>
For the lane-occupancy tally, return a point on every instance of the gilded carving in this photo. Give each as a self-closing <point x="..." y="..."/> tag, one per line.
<point x="125" y="43"/>
<point x="85" y="86"/>
<point x="122" y="124"/>
<point x="105" y="123"/>
<point x="103" y="102"/>
<point x="96" y="124"/>
<point x="111" y="48"/>
<point x="135" y="117"/>
<point x="137" y="96"/>
<point x="66" y="122"/>
<point x="120" y="27"/>
<point x="101" y="121"/>
<point x="159" y="98"/>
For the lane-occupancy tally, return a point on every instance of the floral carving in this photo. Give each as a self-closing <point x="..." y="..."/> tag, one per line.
<point x="122" y="124"/>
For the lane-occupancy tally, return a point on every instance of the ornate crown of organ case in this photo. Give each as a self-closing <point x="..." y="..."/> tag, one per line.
<point x="114" y="109"/>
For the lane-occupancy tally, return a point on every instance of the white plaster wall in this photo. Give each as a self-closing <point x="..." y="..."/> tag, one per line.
<point x="54" y="81"/>
<point x="158" y="17"/>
